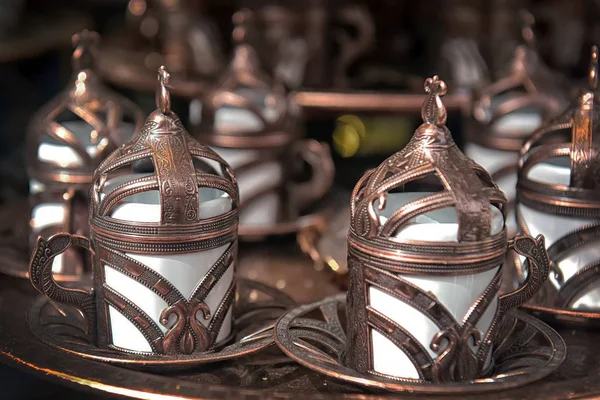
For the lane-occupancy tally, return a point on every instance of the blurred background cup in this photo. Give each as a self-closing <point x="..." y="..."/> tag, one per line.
<point x="251" y="122"/>
<point x="67" y="140"/>
<point x="163" y="243"/>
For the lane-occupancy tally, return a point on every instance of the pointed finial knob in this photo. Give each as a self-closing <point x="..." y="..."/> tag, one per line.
<point x="241" y="21"/>
<point x="593" y="77"/>
<point x="163" y="96"/>
<point x="85" y="43"/>
<point x="527" y="23"/>
<point x="433" y="110"/>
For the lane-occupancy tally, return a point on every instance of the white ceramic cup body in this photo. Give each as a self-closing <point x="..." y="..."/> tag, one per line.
<point x="185" y="271"/>
<point x="456" y="293"/>
<point x="553" y="227"/>
<point x="50" y="151"/>
<point x="265" y="210"/>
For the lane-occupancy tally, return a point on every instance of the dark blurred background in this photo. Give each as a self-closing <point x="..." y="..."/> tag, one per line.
<point x="377" y="45"/>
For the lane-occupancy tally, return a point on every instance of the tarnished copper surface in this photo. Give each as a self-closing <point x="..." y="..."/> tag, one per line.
<point x="314" y="335"/>
<point x="103" y="115"/>
<point x="529" y="84"/>
<point x="244" y="86"/>
<point x="376" y="258"/>
<point x="179" y="172"/>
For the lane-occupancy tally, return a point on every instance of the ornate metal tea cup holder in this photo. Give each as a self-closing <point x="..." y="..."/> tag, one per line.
<point x="314" y="336"/>
<point x="257" y="307"/>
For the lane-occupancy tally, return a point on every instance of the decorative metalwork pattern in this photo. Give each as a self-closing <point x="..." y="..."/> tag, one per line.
<point x="62" y="328"/>
<point x="525" y="350"/>
<point x="66" y="140"/>
<point x="165" y="161"/>
<point x="571" y="134"/>
<point x="529" y="85"/>
<point x="376" y="258"/>
<point x="467" y="187"/>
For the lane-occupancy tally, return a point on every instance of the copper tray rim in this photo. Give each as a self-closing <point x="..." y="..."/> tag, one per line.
<point x="563" y="316"/>
<point x="373" y="382"/>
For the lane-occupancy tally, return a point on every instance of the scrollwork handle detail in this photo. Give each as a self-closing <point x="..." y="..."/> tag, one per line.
<point x="539" y="264"/>
<point x="41" y="277"/>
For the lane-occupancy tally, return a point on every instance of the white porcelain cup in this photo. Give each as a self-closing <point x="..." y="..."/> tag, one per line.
<point x="52" y="206"/>
<point x="457" y="293"/>
<point x="553" y="227"/>
<point x="185" y="271"/>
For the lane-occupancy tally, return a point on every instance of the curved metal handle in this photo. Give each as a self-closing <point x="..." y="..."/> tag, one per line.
<point x="318" y="156"/>
<point x="40" y="275"/>
<point x="539" y="264"/>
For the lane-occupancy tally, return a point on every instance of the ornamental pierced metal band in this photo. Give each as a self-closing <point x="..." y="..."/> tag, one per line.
<point x="250" y="121"/>
<point x="558" y="194"/>
<point x="66" y="140"/>
<point x="163" y="221"/>
<point x="426" y="242"/>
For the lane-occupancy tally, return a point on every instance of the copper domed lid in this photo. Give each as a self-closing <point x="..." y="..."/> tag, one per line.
<point x="530" y="88"/>
<point x="71" y="135"/>
<point x="247" y="109"/>
<point x="558" y="168"/>
<point x="190" y="192"/>
<point x="463" y="185"/>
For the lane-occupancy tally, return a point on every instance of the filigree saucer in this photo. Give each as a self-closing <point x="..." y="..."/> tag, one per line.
<point x="314" y="336"/>
<point x="257" y="307"/>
